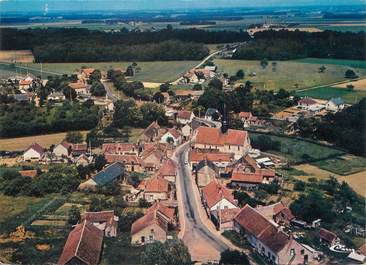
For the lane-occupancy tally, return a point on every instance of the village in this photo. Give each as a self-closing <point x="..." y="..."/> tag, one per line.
<point x="196" y="174"/>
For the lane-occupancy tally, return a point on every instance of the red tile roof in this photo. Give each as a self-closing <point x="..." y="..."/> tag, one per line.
<point x="151" y="217"/>
<point x="254" y="223"/>
<point x="272" y="210"/>
<point x="115" y="148"/>
<point x="166" y="211"/>
<point x="174" y="132"/>
<point x="228" y="215"/>
<point x="247" y="177"/>
<point x="214" y="136"/>
<point x="184" y="114"/>
<point x="36" y="147"/>
<point x="215" y="192"/>
<point x="28" y="173"/>
<point x="245" y="115"/>
<point x="327" y="235"/>
<point x="362" y="249"/>
<point x="157" y="185"/>
<point x="124" y="159"/>
<point x="84" y="243"/>
<point x="168" y="168"/>
<point x="77" y="85"/>
<point x="88" y="71"/>
<point x="25" y="82"/>
<point x="196" y="156"/>
<point x="102" y="216"/>
<point x="79" y="147"/>
<point x="306" y="101"/>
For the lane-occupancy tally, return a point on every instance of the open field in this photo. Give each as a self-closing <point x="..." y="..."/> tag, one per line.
<point x="291" y="75"/>
<point x="357" y="85"/>
<point x="344" y="165"/>
<point x="155" y="72"/>
<point x="326" y="92"/>
<point x="350" y="63"/>
<point x="21" y="143"/>
<point x="357" y="181"/>
<point x="21" y="56"/>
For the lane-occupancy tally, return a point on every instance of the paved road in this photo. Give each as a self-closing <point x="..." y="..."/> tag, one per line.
<point x="110" y="94"/>
<point x="203" y="244"/>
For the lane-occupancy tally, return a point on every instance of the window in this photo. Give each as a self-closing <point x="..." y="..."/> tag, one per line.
<point x="302" y="252"/>
<point x="152" y="231"/>
<point x="151" y="238"/>
<point x="142" y="239"/>
<point x="292" y="252"/>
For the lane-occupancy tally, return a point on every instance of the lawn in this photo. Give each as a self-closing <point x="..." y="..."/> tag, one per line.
<point x="345" y="165"/>
<point x="300" y="151"/>
<point x="290" y="75"/>
<point x="157" y="71"/>
<point x="22" y="143"/>
<point x="342" y="62"/>
<point x="327" y="92"/>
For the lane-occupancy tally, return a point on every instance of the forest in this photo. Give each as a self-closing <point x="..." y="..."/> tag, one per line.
<point x="287" y="45"/>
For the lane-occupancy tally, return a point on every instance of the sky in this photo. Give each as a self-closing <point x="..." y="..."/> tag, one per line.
<point x="96" y="5"/>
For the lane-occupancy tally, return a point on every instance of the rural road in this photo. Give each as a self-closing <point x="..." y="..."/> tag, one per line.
<point x="110" y="94"/>
<point x="204" y="245"/>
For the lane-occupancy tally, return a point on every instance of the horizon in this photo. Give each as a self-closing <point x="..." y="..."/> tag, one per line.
<point x="53" y="6"/>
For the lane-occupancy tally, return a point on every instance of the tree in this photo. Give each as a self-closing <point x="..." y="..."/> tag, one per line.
<point x="74" y="137"/>
<point x="164" y="87"/>
<point x="172" y="252"/>
<point x="97" y="89"/>
<point x="240" y="74"/>
<point x="233" y="257"/>
<point x="95" y="76"/>
<point x="215" y="83"/>
<point x="158" y="97"/>
<point x="350" y="87"/>
<point x="264" y="63"/>
<point x="144" y="203"/>
<point x="350" y="74"/>
<point x="69" y="93"/>
<point x="197" y="87"/>
<point x="322" y="69"/>
<point x="130" y="71"/>
<point x="99" y="162"/>
<point x="74" y="215"/>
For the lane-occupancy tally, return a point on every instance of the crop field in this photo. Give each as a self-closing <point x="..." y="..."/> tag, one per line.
<point x="21" y="143"/>
<point x="290" y="75"/>
<point x="155" y="72"/>
<point x="326" y="92"/>
<point x="23" y="56"/>
<point x="344" y="165"/>
<point x="357" y="85"/>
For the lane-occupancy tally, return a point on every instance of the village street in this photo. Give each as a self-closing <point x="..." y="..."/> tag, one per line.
<point x="204" y="244"/>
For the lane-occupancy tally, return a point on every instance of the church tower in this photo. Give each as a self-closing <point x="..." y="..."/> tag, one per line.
<point x="224" y="120"/>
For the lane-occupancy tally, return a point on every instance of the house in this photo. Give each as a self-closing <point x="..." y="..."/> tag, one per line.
<point x="110" y="174"/>
<point x="132" y="163"/>
<point x="33" y="152"/>
<point x="327" y="237"/>
<point x="205" y="171"/>
<point x="56" y="96"/>
<point x="247" y="174"/>
<point x="83" y="160"/>
<point x="186" y="131"/>
<point x="151" y="133"/>
<point x="104" y="220"/>
<point x="172" y="136"/>
<point x="269" y="241"/>
<point x="184" y="117"/>
<point x="120" y="149"/>
<point x="221" y="160"/>
<point x="151" y="227"/>
<point x="83" y="246"/>
<point x="152" y="158"/>
<point x="156" y="189"/>
<point x="63" y="149"/>
<point x="335" y="104"/>
<point x="355" y="257"/>
<point x="187" y="94"/>
<point x="222" y="140"/>
<point x="277" y="212"/>
<point x="168" y="170"/>
<point x="80" y="88"/>
<point x="362" y="249"/>
<point x="79" y="149"/>
<point x="204" y="74"/>
<point x="28" y="173"/>
<point x="224" y="218"/>
<point x="25" y="83"/>
<point x="191" y="77"/>
<point x="22" y="97"/>
<point x="86" y="72"/>
<point x="216" y="197"/>
<point x="305" y="103"/>
<point x="211" y="68"/>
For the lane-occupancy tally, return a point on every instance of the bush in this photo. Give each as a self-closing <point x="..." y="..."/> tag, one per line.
<point x="233" y="257"/>
<point x="299" y="186"/>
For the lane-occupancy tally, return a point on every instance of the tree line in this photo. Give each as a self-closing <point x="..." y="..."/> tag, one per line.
<point x="287" y="45"/>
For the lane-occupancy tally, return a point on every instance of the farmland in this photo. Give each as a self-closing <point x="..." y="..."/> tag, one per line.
<point x="23" y="56"/>
<point x="157" y="71"/>
<point x="290" y="75"/>
<point x="327" y="92"/>
<point x="21" y="143"/>
<point x="349" y="63"/>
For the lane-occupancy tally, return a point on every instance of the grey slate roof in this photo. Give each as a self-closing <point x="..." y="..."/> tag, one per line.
<point x="109" y="174"/>
<point x="337" y="101"/>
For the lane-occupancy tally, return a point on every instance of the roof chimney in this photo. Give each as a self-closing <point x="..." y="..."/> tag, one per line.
<point x="224" y="121"/>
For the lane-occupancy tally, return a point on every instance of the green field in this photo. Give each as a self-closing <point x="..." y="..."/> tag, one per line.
<point x="350" y="63"/>
<point x="343" y="166"/>
<point x="158" y="71"/>
<point x="344" y="28"/>
<point x="290" y="75"/>
<point x="349" y="97"/>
